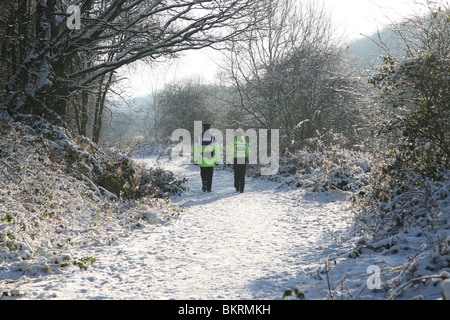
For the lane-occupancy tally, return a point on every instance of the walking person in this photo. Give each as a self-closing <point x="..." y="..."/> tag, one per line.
<point x="206" y="156"/>
<point x="240" y="154"/>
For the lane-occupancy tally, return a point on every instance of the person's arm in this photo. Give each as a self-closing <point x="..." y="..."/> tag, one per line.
<point x="247" y="153"/>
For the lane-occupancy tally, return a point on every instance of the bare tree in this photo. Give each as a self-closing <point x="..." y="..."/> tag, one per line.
<point x="44" y="63"/>
<point x="179" y="105"/>
<point x="291" y="73"/>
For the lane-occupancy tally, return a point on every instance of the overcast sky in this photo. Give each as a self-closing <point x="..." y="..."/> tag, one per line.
<point x="353" y="17"/>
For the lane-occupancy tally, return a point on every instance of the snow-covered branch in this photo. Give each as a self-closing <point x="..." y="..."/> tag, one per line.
<point x="113" y="34"/>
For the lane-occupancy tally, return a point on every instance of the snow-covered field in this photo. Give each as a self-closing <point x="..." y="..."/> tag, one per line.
<point x="225" y="245"/>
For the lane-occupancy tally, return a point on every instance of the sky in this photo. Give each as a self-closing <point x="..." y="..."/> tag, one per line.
<point x="354" y="18"/>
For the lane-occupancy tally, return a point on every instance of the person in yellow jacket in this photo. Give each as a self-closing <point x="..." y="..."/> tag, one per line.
<point x="239" y="152"/>
<point x="206" y="156"/>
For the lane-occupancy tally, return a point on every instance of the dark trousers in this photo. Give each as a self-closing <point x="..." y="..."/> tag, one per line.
<point x="207" y="175"/>
<point x="239" y="176"/>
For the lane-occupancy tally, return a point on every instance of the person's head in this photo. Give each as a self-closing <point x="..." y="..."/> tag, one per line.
<point x="206" y="126"/>
<point x="239" y="134"/>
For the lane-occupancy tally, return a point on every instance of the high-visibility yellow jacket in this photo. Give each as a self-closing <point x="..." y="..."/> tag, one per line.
<point x="239" y="152"/>
<point x="206" y="151"/>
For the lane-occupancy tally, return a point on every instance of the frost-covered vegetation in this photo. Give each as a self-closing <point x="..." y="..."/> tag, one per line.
<point x="408" y="198"/>
<point x="380" y="136"/>
<point x="59" y="192"/>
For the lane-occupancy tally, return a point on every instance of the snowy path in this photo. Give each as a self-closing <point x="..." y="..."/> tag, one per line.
<point x="224" y="245"/>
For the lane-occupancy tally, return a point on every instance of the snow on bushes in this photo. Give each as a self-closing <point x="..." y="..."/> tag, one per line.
<point x="322" y="167"/>
<point x="400" y="216"/>
<point x="155" y="180"/>
<point x="344" y="170"/>
<point x="406" y="214"/>
<point x="59" y="192"/>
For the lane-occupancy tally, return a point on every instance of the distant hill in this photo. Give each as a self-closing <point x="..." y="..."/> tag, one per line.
<point x="368" y="50"/>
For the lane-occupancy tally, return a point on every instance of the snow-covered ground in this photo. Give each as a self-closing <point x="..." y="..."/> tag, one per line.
<point x="226" y="245"/>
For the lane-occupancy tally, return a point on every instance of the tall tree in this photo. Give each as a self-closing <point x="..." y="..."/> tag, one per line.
<point x="415" y="94"/>
<point x="44" y="63"/>
<point x="292" y="74"/>
<point x="179" y="105"/>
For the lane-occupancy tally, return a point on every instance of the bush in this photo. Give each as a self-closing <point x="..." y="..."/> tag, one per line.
<point x="415" y="99"/>
<point x="159" y="183"/>
<point x="51" y="198"/>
